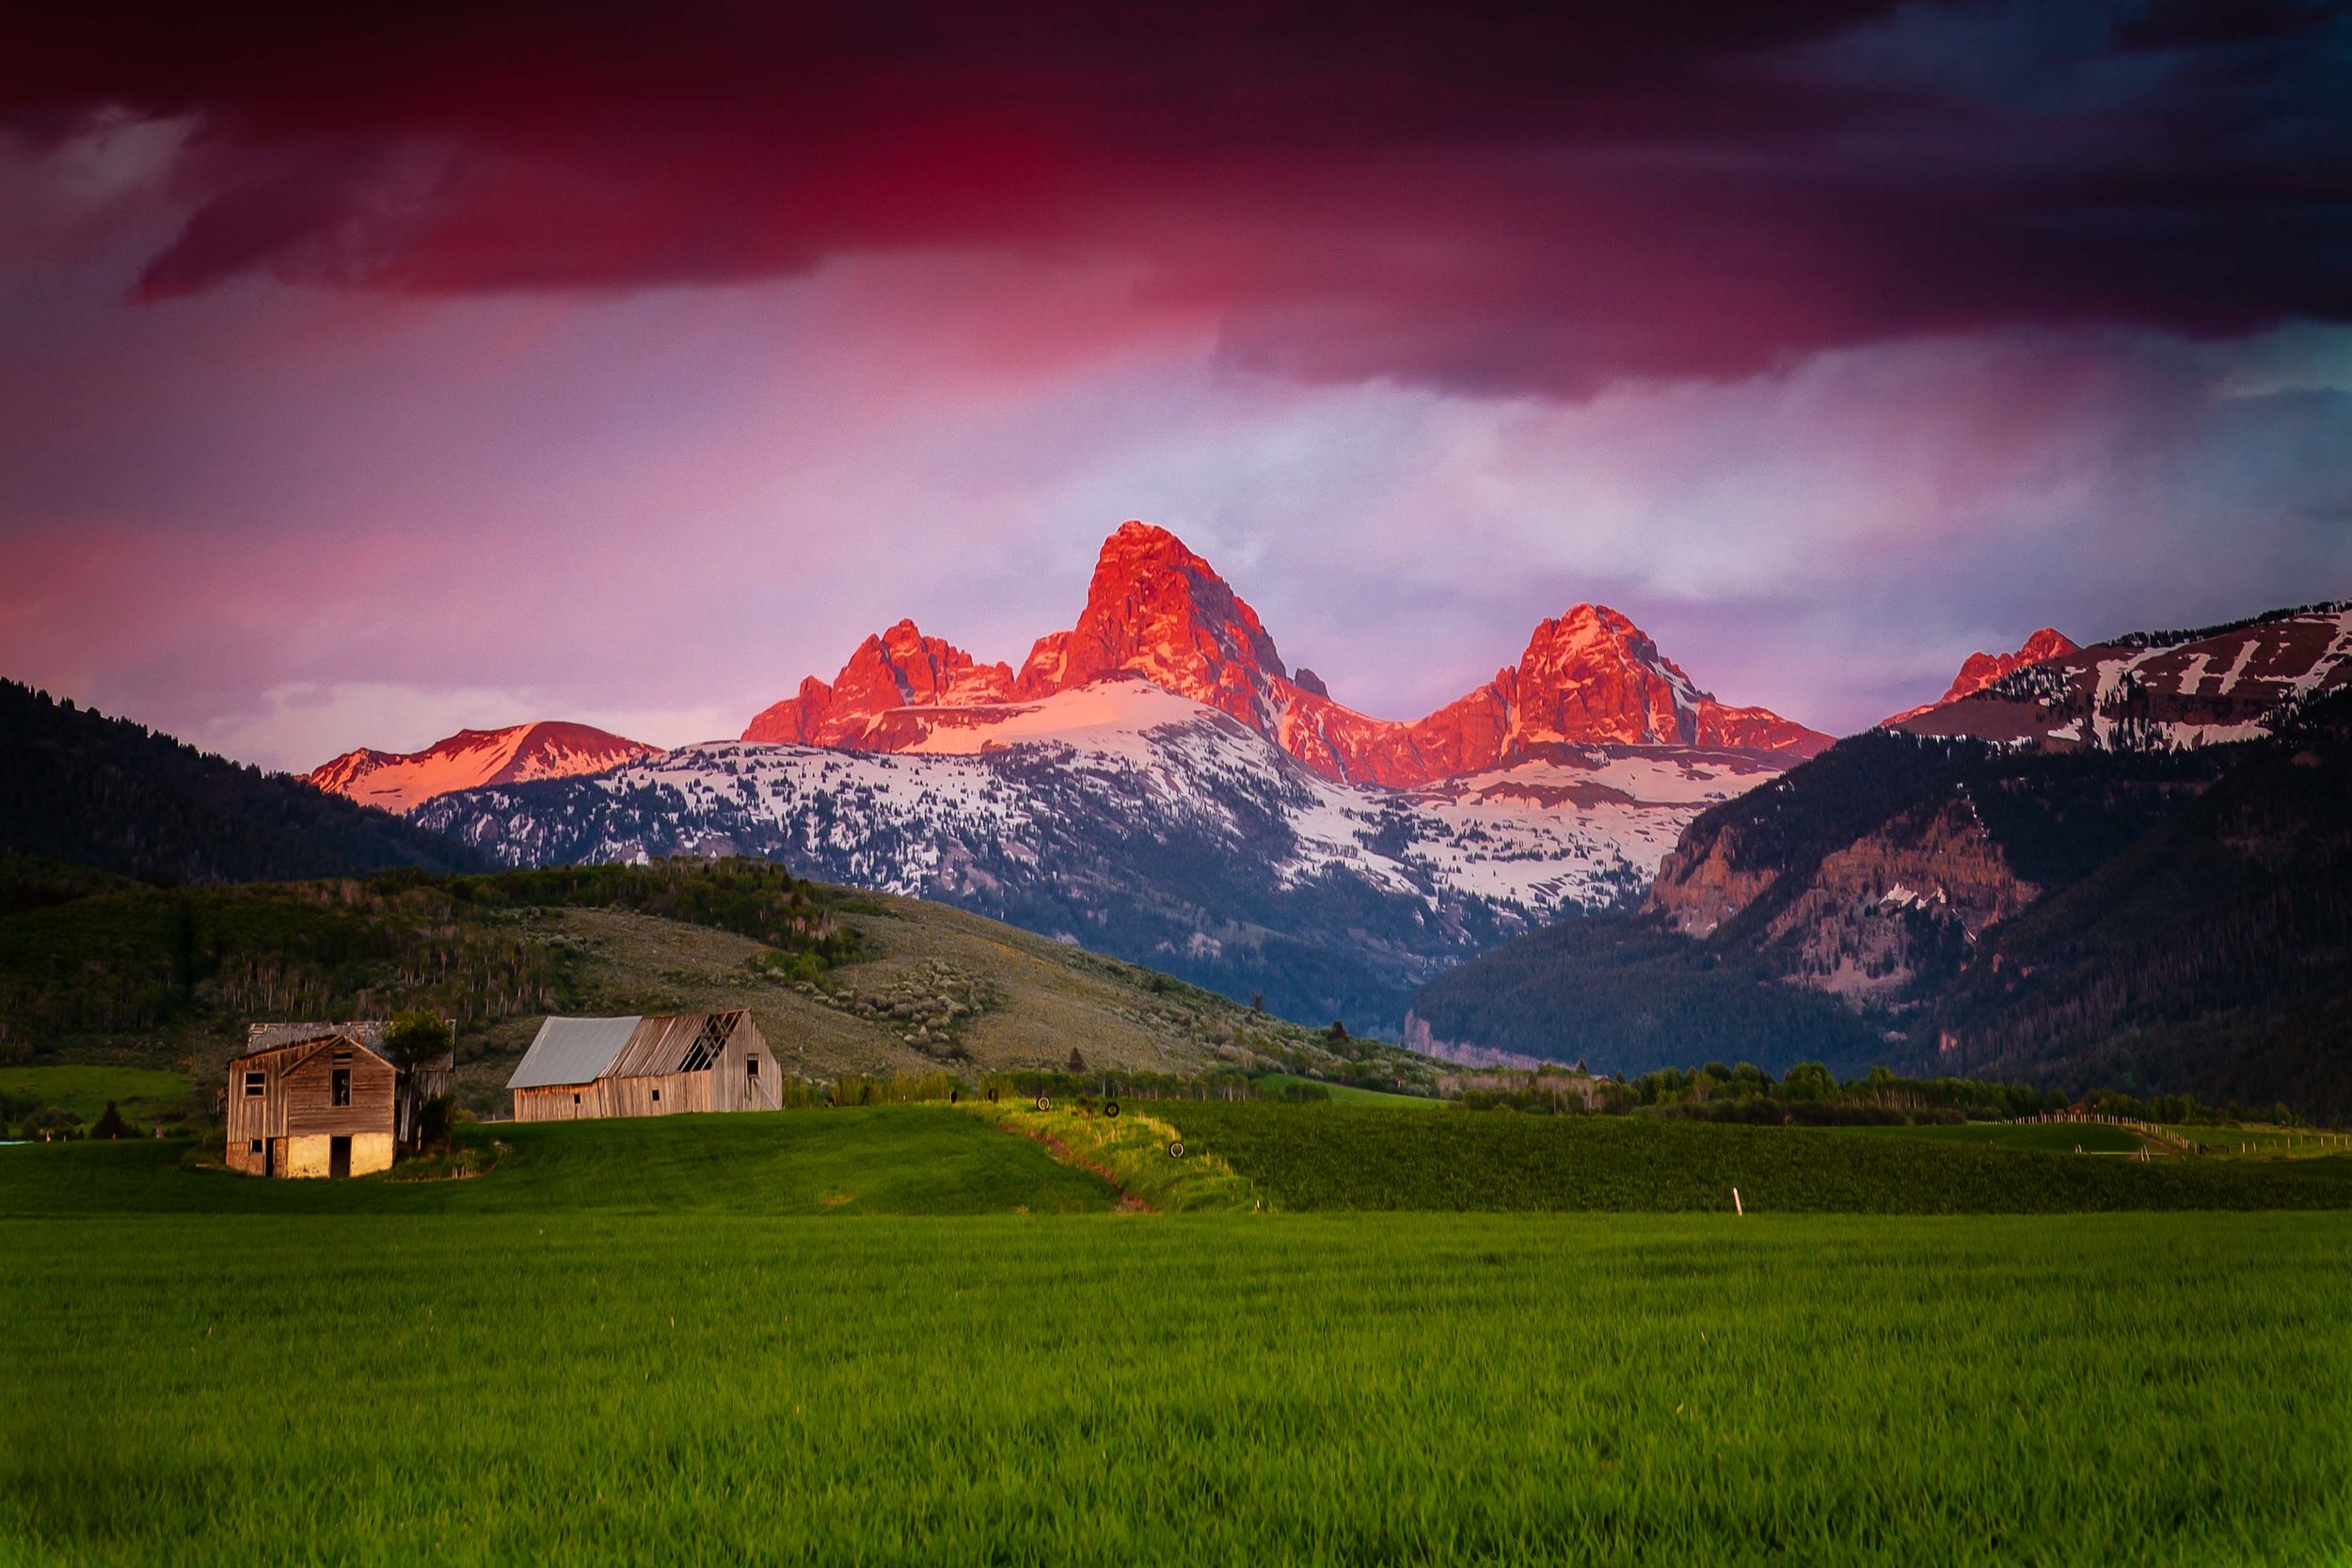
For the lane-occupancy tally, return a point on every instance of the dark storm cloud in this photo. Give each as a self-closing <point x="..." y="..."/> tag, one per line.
<point x="1496" y="197"/>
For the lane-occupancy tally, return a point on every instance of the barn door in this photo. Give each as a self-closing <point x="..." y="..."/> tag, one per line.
<point x="339" y="1156"/>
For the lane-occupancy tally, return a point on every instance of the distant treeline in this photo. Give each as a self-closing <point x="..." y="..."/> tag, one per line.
<point x="1809" y="1094"/>
<point x="1062" y="1087"/>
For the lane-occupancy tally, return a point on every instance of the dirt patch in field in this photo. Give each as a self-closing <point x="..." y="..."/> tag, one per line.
<point x="1065" y="1155"/>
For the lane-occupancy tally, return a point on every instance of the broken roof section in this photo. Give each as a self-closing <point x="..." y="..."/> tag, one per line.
<point x="573" y="1050"/>
<point x="269" y="1036"/>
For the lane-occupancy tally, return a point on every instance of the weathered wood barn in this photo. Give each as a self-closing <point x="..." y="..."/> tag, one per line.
<point x="579" y="1067"/>
<point x="324" y="1100"/>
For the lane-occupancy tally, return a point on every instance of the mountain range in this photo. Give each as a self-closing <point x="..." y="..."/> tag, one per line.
<point x="1156" y="781"/>
<point x="2121" y="861"/>
<point x="1157" y="611"/>
<point x="2129" y="860"/>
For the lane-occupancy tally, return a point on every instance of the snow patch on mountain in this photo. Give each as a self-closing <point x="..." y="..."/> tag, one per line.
<point x="400" y="782"/>
<point x="1155" y="827"/>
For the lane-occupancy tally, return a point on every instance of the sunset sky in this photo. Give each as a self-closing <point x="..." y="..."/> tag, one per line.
<point x="373" y="372"/>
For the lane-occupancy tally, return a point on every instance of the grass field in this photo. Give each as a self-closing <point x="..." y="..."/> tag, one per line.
<point x="640" y="1342"/>
<point x="1348" y="1094"/>
<point x="1366" y="1157"/>
<point x="2048" y="1137"/>
<point x="887" y="1159"/>
<point x="593" y="1386"/>
<point x="141" y="1094"/>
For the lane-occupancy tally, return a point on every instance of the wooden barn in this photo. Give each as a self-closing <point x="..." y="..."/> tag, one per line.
<point x="324" y="1100"/>
<point x="580" y="1068"/>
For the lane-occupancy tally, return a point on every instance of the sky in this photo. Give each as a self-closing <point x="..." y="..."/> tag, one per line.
<point x="368" y="371"/>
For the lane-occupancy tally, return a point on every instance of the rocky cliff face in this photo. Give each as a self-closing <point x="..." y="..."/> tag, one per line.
<point x="1157" y="611"/>
<point x="1703" y="884"/>
<point x="1929" y="877"/>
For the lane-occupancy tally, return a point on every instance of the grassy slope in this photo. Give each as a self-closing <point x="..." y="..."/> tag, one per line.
<point x="1364" y="1157"/>
<point x="129" y="978"/>
<point x="1051" y="997"/>
<point x="910" y="1160"/>
<point x="714" y="1388"/>
<point x="1054" y="996"/>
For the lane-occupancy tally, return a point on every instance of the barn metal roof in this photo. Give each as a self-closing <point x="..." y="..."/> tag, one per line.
<point x="573" y="1050"/>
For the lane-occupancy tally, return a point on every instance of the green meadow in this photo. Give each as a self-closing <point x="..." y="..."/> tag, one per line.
<point x="837" y="1337"/>
<point x="879" y="1159"/>
<point x="2048" y="1137"/>
<point x="1361" y="1157"/>
<point x="141" y="1094"/>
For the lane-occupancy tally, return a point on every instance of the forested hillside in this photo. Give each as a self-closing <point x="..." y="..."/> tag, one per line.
<point x="77" y="786"/>
<point x="122" y="970"/>
<point x="2214" y="954"/>
<point x="2165" y="920"/>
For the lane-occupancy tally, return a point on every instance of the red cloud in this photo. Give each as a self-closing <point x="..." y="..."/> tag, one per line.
<point x="1489" y="196"/>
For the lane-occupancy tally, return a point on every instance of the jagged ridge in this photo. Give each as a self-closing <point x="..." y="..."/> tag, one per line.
<point x="1157" y="610"/>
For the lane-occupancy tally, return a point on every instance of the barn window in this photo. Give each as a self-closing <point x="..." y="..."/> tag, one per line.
<point x="751" y="1067"/>
<point x="656" y="1097"/>
<point x="574" y="1099"/>
<point x="252" y="1084"/>
<point x="342" y="1086"/>
<point x="256" y="1147"/>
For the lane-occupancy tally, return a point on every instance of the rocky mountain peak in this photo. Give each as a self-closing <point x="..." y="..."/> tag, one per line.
<point x="1980" y="670"/>
<point x="894" y="669"/>
<point x="1593" y="675"/>
<point x="1156" y="610"/>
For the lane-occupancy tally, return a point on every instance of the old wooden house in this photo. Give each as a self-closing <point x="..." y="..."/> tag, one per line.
<point x="580" y="1068"/>
<point x="324" y="1100"/>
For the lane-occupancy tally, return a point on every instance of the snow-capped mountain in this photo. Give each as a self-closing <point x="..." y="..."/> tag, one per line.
<point x="1145" y="823"/>
<point x="1157" y="784"/>
<point x="1156" y="610"/>
<point x="401" y="781"/>
<point x="2159" y="690"/>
